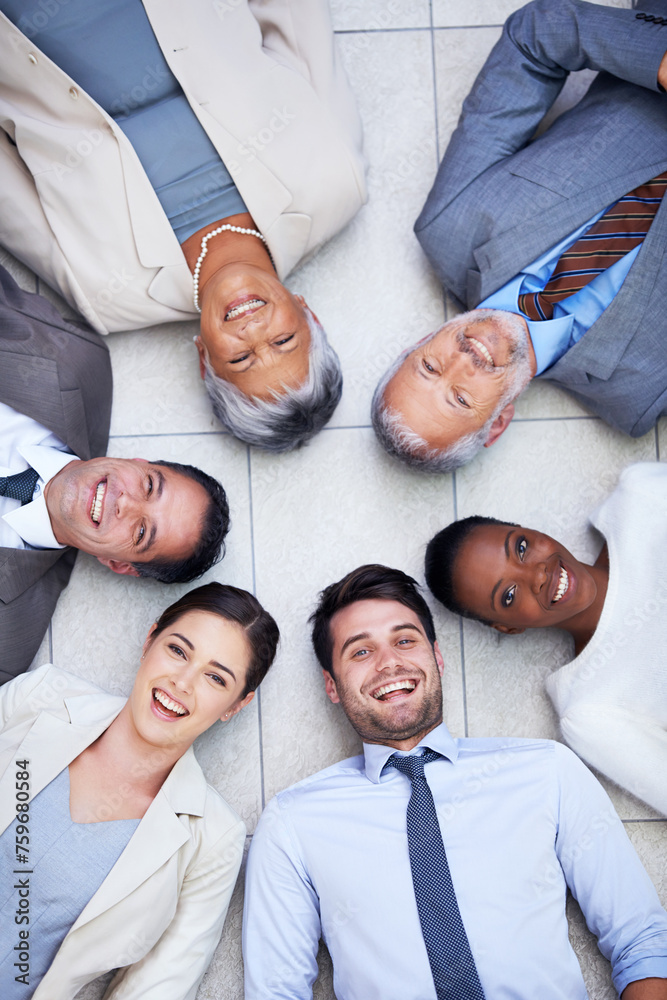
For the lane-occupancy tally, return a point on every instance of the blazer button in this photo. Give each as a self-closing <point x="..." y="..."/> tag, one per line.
<point x="73" y="93"/>
<point x="33" y="58"/>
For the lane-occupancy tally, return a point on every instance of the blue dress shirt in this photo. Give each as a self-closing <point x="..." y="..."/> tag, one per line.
<point x="573" y="316"/>
<point x="521" y="821"/>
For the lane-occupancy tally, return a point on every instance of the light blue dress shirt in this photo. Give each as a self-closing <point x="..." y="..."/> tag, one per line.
<point x="110" y="50"/>
<point x="573" y="316"/>
<point x="521" y="821"/>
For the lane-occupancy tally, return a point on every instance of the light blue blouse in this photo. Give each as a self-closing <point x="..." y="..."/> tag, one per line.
<point x="108" y="47"/>
<point x="65" y="865"/>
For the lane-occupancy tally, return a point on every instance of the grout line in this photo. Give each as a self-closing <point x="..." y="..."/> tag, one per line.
<point x="341" y="427"/>
<point x="435" y="92"/>
<point x="379" y="31"/>
<point x="252" y="522"/>
<point x="465" y="27"/>
<point x="163" y="434"/>
<point x="461" y="641"/>
<point x="424" y="27"/>
<point x="254" y="590"/>
<point x="649" y="819"/>
<point x="50" y="631"/>
<point x="657" y="444"/>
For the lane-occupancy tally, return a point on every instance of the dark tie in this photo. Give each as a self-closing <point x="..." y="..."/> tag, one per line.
<point x="622" y="227"/>
<point x="452" y="965"/>
<point x="19" y="487"/>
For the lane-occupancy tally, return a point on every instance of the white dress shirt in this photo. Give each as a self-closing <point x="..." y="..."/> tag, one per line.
<point x="24" y="443"/>
<point x="521" y="821"/>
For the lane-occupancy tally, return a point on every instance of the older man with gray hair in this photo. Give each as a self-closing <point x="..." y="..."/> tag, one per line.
<point x="557" y="244"/>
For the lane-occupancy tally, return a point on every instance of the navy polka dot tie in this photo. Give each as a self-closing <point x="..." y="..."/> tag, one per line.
<point x="19" y="487"/>
<point x="452" y="965"/>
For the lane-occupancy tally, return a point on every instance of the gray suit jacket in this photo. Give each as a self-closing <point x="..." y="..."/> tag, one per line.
<point x="499" y="201"/>
<point x="59" y="373"/>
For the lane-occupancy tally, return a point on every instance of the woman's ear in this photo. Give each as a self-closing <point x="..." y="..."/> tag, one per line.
<point x="148" y="640"/>
<point x="507" y="629"/>
<point x="237" y="708"/>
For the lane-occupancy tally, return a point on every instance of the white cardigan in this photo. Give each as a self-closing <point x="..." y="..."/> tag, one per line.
<point x="76" y="205"/>
<point x="612" y="698"/>
<point x="159" y="913"/>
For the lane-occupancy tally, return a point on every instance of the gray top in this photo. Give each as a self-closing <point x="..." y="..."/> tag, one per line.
<point x="108" y="47"/>
<point x="65" y="865"/>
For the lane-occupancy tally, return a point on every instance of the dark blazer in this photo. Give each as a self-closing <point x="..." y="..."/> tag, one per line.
<point x="499" y="201"/>
<point x="59" y="373"/>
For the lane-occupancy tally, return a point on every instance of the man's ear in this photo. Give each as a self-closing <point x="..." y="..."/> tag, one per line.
<point x="438" y="658"/>
<point x="201" y="350"/>
<point x="500" y="424"/>
<point x="330" y="687"/>
<point x="507" y="629"/>
<point x="116" y="566"/>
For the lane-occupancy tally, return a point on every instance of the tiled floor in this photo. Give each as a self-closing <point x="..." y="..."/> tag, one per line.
<point x="303" y="520"/>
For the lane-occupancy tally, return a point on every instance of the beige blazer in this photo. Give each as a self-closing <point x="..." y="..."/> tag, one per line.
<point x="76" y="205"/>
<point x="159" y="913"/>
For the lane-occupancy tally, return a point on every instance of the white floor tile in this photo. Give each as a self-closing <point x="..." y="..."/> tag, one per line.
<point x="459" y="13"/>
<point x="459" y="56"/>
<point x="372" y="287"/>
<point x="318" y="514"/>
<point x="374" y="15"/>
<point x="157" y="386"/>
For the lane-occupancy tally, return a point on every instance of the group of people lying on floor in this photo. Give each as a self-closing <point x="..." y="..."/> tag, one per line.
<point x="157" y="166"/>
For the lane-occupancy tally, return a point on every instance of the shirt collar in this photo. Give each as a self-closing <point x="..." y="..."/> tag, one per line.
<point x="439" y="739"/>
<point x="32" y="521"/>
<point x="550" y="338"/>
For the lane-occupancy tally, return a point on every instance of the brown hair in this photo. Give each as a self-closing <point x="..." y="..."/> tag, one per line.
<point x="366" y="583"/>
<point x="234" y="605"/>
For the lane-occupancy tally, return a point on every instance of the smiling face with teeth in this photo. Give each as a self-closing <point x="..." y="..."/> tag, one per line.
<point x="191" y="675"/>
<point x="462" y="377"/>
<point x="126" y="511"/>
<point x="254" y="331"/>
<point x="516" y="578"/>
<point x="386" y="674"/>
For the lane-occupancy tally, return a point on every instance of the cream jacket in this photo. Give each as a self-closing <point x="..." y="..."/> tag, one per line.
<point x="76" y="205"/>
<point x="159" y="913"/>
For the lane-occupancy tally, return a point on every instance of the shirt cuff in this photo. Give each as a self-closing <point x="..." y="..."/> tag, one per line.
<point x="654" y="966"/>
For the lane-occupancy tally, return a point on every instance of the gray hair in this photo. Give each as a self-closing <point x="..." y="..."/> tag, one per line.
<point x="398" y="440"/>
<point x="293" y="416"/>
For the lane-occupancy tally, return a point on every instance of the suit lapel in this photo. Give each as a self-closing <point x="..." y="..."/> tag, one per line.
<point x="601" y="348"/>
<point x="159" y="835"/>
<point x="505" y="255"/>
<point x="22" y="568"/>
<point x="67" y="739"/>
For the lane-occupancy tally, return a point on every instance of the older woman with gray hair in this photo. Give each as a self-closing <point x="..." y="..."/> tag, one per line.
<point x="184" y="161"/>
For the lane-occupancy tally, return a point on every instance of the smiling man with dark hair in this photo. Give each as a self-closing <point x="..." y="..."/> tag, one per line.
<point x="433" y="866"/>
<point x="139" y="518"/>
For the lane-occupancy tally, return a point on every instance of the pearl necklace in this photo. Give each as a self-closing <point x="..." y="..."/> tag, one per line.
<point x="204" y="251"/>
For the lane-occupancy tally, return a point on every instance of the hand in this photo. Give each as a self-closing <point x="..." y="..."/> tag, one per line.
<point x="662" y="72"/>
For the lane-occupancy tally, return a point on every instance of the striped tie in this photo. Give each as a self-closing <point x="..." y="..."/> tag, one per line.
<point x="622" y="227"/>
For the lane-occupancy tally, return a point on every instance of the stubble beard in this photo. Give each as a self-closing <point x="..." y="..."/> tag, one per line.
<point x="372" y="727"/>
